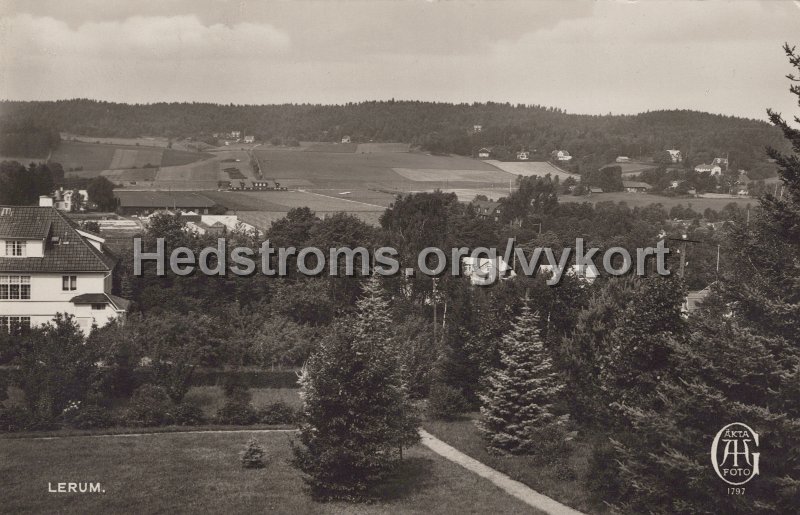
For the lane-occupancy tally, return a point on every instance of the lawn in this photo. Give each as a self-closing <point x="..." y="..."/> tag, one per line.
<point x="286" y="200"/>
<point x="211" y="398"/>
<point x="530" y="168"/>
<point x="184" y="473"/>
<point x="564" y="482"/>
<point x="644" y="199"/>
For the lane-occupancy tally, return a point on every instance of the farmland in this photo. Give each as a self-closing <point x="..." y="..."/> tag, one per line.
<point x="530" y="168"/>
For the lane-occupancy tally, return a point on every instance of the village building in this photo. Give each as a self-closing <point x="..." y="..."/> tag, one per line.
<point x="623" y="159"/>
<point x="346" y="139"/>
<point x="487" y="209"/>
<point x="485" y="271"/>
<point x="146" y="202"/>
<point x="635" y="186"/>
<point x="713" y="169"/>
<point x="523" y="155"/>
<point x="249" y="139"/>
<point x="675" y="155"/>
<point x="562" y="155"/>
<point x="49" y="266"/>
<point x="484" y="153"/>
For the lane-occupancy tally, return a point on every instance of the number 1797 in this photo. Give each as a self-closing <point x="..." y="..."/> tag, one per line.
<point x="736" y="490"/>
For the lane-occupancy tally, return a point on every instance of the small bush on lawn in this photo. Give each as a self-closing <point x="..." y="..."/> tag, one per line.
<point x="277" y="413"/>
<point x="186" y="414"/>
<point x="446" y="402"/>
<point x="150" y="405"/>
<point x="253" y="455"/>
<point x="236" y="412"/>
<point x="90" y="417"/>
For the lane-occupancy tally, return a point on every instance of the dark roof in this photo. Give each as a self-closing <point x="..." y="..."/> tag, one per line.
<point x="20" y="222"/>
<point x="635" y="184"/>
<point x="102" y="298"/>
<point x="72" y="253"/>
<point x="484" y="205"/>
<point x="162" y="199"/>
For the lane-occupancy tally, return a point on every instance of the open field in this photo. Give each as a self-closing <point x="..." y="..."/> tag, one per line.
<point x="160" y="142"/>
<point x="133" y="175"/>
<point x="135" y="158"/>
<point x="172" y="157"/>
<point x="565" y="482"/>
<point x="23" y="160"/>
<point x="370" y="148"/>
<point x="529" y="168"/>
<point x="88" y="156"/>
<point x="344" y="148"/>
<point x="439" y="175"/>
<point x="634" y="168"/>
<point x="323" y="170"/>
<point x="192" y="473"/>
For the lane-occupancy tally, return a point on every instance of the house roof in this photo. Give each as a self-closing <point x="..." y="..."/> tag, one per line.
<point x="484" y="205"/>
<point x="162" y="199"/>
<point x="71" y="253"/>
<point x="635" y="184"/>
<point x="596" y="190"/>
<point x="118" y="303"/>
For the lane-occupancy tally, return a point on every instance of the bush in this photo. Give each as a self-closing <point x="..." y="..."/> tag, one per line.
<point x="150" y="405"/>
<point x="186" y="414"/>
<point x="237" y="413"/>
<point x="91" y="417"/>
<point x="253" y="455"/>
<point x="446" y="402"/>
<point x="17" y="418"/>
<point x="277" y="413"/>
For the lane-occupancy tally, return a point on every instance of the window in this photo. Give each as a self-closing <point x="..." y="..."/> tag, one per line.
<point x="69" y="282"/>
<point x="15" y="287"/>
<point x="14" y="324"/>
<point x="98" y="307"/>
<point x="15" y="248"/>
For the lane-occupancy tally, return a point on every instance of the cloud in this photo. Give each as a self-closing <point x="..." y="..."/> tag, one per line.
<point x="137" y="37"/>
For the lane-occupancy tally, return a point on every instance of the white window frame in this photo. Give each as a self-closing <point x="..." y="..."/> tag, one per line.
<point x="69" y="282"/>
<point x="15" y="287"/>
<point x="16" y="248"/>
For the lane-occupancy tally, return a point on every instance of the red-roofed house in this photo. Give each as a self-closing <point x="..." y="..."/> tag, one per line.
<point x="49" y="266"/>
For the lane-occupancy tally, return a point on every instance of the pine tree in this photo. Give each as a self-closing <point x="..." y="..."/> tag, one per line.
<point x="738" y="361"/>
<point x="518" y="408"/>
<point x="356" y="416"/>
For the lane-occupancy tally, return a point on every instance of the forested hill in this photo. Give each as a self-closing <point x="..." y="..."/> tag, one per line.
<point x="439" y="127"/>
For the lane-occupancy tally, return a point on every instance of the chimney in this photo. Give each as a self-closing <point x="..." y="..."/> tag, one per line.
<point x="45" y="201"/>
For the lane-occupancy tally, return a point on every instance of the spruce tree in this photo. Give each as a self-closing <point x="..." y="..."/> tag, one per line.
<point x="356" y="416"/>
<point x="517" y="410"/>
<point x="738" y="361"/>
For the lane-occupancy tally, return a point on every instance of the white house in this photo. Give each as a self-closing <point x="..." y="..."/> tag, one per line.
<point x="713" y="169"/>
<point x="675" y="155"/>
<point x="484" y="152"/>
<point x="623" y="159"/>
<point x="562" y="155"/>
<point x="485" y="271"/>
<point x="523" y="155"/>
<point x="249" y="139"/>
<point x="49" y="266"/>
<point x="477" y="128"/>
<point x="346" y="139"/>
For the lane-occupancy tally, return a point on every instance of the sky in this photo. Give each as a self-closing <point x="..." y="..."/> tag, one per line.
<point x="620" y="57"/>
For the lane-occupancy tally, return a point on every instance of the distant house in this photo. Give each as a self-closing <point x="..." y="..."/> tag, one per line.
<point x="562" y="155"/>
<point x="64" y="200"/>
<point x="487" y="209"/>
<point x="346" y="139"/>
<point x="477" y="128"/>
<point x="484" y="152"/>
<point x="712" y="169"/>
<point x="595" y="190"/>
<point x="742" y="184"/>
<point x="523" y="155"/>
<point x="635" y="186"/>
<point x="675" y="155"/>
<point x="694" y="299"/>
<point x="485" y="271"/>
<point x="249" y="139"/>
<point x="236" y="134"/>
<point x="623" y="159"/>
<point x="720" y="161"/>
<point x="145" y="202"/>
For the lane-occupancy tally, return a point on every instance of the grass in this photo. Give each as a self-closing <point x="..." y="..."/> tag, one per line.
<point x="286" y="200"/>
<point x="547" y="479"/>
<point x="174" y="157"/>
<point x="644" y="199"/>
<point x="202" y="473"/>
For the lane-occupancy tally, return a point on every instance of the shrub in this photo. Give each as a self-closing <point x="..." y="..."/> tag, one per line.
<point x="150" y="405"/>
<point x="186" y="414"/>
<point x="236" y="412"/>
<point x="277" y="413"/>
<point x="253" y="455"/>
<point x="446" y="402"/>
<point x="91" y="417"/>
<point x="17" y="418"/>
